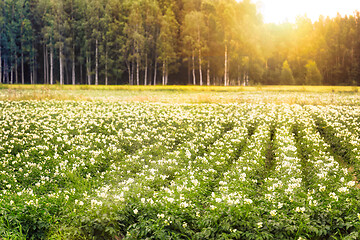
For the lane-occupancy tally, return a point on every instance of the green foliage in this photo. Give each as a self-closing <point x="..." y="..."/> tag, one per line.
<point x="137" y="42"/>
<point x="167" y="43"/>
<point x="286" y="77"/>
<point x="115" y="170"/>
<point x="313" y="75"/>
<point x="10" y="229"/>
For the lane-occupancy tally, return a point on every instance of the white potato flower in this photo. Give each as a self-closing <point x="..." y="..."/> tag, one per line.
<point x="273" y="213"/>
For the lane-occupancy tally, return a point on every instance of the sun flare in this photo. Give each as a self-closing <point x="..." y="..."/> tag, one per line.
<point x="278" y="11"/>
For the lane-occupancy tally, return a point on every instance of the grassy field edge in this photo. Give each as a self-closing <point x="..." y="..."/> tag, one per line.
<point x="271" y="88"/>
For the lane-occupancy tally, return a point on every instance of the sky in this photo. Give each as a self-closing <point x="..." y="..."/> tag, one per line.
<point x="279" y="11"/>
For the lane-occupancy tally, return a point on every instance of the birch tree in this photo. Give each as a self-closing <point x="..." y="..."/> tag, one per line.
<point x="195" y="32"/>
<point x="58" y="30"/>
<point x="167" y="43"/>
<point x="134" y="31"/>
<point x="225" y="13"/>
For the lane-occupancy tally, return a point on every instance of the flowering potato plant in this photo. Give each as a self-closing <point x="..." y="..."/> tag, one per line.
<point x="111" y="170"/>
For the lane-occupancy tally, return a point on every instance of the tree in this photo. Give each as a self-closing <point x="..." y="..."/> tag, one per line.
<point x="70" y="35"/>
<point x="43" y="17"/>
<point x="134" y="30"/>
<point x="104" y="42"/>
<point x="89" y="26"/>
<point x="286" y="77"/>
<point x="355" y="68"/>
<point x="2" y="25"/>
<point x="209" y="12"/>
<point x="59" y="26"/>
<point x="96" y="41"/>
<point x="12" y="12"/>
<point x="194" y="32"/>
<point x="118" y="51"/>
<point x="225" y="23"/>
<point x="95" y="21"/>
<point x="313" y="75"/>
<point x="167" y="43"/>
<point x="26" y="33"/>
<point x="151" y="25"/>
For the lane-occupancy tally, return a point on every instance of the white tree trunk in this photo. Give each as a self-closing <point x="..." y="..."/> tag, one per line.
<point x="200" y="71"/>
<point x="189" y="70"/>
<point x="137" y="71"/>
<point x="45" y="72"/>
<point x="208" y="73"/>
<point x="88" y="69"/>
<point x="193" y="68"/>
<point x="22" y="64"/>
<point x="238" y="75"/>
<point x="32" y="74"/>
<point x="155" y="72"/>
<point x="96" y="63"/>
<point x="132" y="72"/>
<point x="47" y="65"/>
<point x="167" y="75"/>
<point x="225" y="67"/>
<point x="34" y="63"/>
<point x="12" y="75"/>
<point x="73" y="66"/>
<point x="146" y="70"/>
<point x="163" y="76"/>
<point x="106" y="67"/>
<point x="129" y="71"/>
<point x="52" y="65"/>
<point x="16" y="70"/>
<point x="61" y="66"/>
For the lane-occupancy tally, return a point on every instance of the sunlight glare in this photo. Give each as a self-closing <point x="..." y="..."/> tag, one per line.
<point x="279" y="11"/>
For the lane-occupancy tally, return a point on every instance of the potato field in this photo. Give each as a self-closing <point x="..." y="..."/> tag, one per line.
<point x="127" y="170"/>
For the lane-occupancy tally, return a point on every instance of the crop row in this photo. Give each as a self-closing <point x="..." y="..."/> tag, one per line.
<point x="73" y="170"/>
<point x="340" y="129"/>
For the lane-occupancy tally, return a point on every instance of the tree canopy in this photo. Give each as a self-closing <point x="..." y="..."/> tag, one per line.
<point x="202" y="42"/>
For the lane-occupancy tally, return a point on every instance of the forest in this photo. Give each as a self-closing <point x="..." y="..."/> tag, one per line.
<point x="184" y="42"/>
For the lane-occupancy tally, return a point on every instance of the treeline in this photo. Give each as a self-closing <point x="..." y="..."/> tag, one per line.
<point x="202" y="42"/>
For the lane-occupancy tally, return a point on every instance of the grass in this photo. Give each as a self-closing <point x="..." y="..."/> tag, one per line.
<point x="316" y="95"/>
<point x="272" y="88"/>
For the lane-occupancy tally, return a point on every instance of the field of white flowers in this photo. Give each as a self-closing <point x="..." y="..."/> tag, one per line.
<point x="111" y="170"/>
